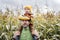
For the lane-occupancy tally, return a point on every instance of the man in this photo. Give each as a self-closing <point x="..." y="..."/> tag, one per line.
<point x="26" y="31"/>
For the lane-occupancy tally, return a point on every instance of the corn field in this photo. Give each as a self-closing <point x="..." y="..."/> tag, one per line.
<point x="48" y="25"/>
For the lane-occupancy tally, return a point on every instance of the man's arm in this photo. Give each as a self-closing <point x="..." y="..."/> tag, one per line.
<point x="35" y="34"/>
<point x="16" y="35"/>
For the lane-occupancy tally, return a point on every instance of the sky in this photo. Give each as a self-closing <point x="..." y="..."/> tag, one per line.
<point x="53" y="4"/>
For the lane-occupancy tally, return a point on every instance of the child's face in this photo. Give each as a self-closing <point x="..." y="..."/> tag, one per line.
<point x="25" y="23"/>
<point x="27" y="10"/>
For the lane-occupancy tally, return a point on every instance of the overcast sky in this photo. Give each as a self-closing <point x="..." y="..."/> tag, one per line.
<point x="55" y="4"/>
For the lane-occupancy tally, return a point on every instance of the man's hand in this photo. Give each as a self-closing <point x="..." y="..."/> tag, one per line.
<point x="34" y="32"/>
<point x="16" y="33"/>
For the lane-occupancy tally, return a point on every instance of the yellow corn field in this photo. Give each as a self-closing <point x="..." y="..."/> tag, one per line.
<point x="48" y="25"/>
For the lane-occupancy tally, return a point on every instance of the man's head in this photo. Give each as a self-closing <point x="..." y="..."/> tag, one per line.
<point x="24" y="20"/>
<point x="25" y="23"/>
